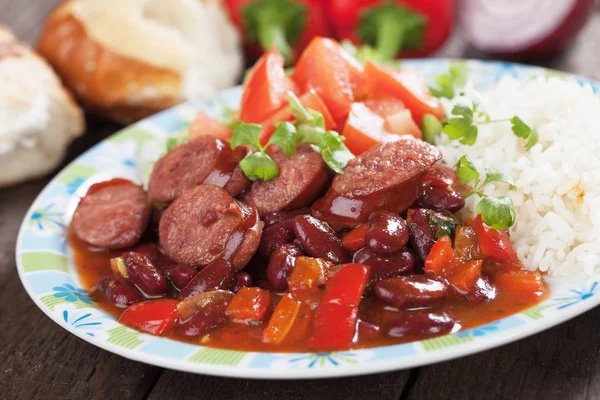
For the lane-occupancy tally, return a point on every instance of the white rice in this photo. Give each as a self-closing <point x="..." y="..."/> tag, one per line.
<point x="558" y="193"/>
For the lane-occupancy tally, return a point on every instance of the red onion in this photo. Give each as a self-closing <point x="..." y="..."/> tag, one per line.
<point x="523" y="27"/>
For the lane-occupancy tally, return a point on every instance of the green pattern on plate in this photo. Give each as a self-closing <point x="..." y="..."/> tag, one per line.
<point x="218" y="356"/>
<point x="74" y="172"/>
<point x="124" y="337"/>
<point x="445" y="341"/>
<point x="535" y="313"/>
<point x="136" y="134"/>
<point x="44" y="261"/>
<point x="51" y="301"/>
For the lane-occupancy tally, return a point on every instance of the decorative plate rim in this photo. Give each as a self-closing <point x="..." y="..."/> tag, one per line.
<point x="226" y="363"/>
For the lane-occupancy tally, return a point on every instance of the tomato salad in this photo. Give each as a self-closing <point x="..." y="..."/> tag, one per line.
<point x="319" y="220"/>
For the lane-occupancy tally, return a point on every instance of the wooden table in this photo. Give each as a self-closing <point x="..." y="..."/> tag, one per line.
<point x="40" y="360"/>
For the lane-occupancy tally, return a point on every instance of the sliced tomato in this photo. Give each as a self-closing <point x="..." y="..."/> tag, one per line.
<point x="398" y="119"/>
<point x="265" y="90"/>
<point x="249" y="304"/>
<point x="310" y="100"/>
<point x="205" y="125"/>
<point x="336" y="316"/>
<point x="492" y="243"/>
<point x="282" y="320"/>
<point x="406" y="84"/>
<point x="333" y="73"/>
<point x="355" y="239"/>
<point x="365" y="129"/>
<point x="155" y="316"/>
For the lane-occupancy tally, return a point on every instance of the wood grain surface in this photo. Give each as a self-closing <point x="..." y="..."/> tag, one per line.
<point x="40" y="360"/>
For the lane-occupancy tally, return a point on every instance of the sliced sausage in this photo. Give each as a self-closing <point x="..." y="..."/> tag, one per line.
<point x="387" y="177"/>
<point x="204" y="159"/>
<point x="112" y="215"/>
<point x="302" y="178"/>
<point x="205" y="223"/>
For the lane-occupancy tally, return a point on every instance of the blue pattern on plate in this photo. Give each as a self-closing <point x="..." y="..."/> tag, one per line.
<point x="71" y="294"/>
<point x="575" y="296"/>
<point x="81" y="320"/>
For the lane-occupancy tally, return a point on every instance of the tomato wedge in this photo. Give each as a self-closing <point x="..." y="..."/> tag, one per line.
<point x="398" y="119"/>
<point x="205" y="125"/>
<point x="282" y="320"/>
<point x="310" y="100"/>
<point x="365" y="129"/>
<point x="155" y="316"/>
<point x="249" y="304"/>
<point x="333" y="73"/>
<point x="335" y="317"/>
<point x="407" y="85"/>
<point x="492" y="243"/>
<point x="265" y="90"/>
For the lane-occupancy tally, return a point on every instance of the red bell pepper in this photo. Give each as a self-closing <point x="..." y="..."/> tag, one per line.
<point x="155" y="316"/>
<point x="409" y="27"/>
<point x="355" y="239"/>
<point x="265" y="89"/>
<point x="289" y="25"/>
<point x="282" y="320"/>
<point x="332" y="72"/>
<point x="249" y="304"/>
<point x="335" y="317"/>
<point x="308" y="273"/>
<point x="492" y="243"/>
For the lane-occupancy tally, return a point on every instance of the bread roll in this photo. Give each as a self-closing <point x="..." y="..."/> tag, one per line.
<point x="132" y="58"/>
<point x="39" y="118"/>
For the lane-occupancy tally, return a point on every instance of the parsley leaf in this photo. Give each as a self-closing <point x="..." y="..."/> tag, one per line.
<point x="443" y="226"/>
<point x="495" y="175"/>
<point x="497" y="212"/>
<point x="246" y="134"/>
<point x="448" y="82"/>
<point x="466" y="171"/>
<point x="461" y="127"/>
<point x="259" y="166"/>
<point x="285" y="137"/>
<point x="522" y="130"/>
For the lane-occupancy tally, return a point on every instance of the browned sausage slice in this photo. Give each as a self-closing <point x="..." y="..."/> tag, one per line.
<point x="302" y="178"/>
<point x="387" y="177"/>
<point x="204" y="159"/>
<point x="205" y="223"/>
<point x="112" y="215"/>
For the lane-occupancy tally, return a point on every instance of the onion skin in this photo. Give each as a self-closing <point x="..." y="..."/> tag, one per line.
<point x="554" y="42"/>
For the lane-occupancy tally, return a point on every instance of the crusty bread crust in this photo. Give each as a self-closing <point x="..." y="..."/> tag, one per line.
<point x="123" y="88"/>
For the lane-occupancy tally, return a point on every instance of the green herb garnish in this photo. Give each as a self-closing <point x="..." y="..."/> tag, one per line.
<point x="447" y="83"/>
<point x="431" y="127"/>
<point x="441" y="225"/>
<point x="497" y="212"/>
<point x="522" y="130"/>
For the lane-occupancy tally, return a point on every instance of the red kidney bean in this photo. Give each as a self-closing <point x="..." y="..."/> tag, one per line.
<point x="425" y="227"/>
<point x="142" y="271"/>
<point x="319" y="240"/>
<point x="384" y="267"/>
<point x="417" y="323"/>
<point x="279" y="216"/>
<point x="281" y="264"/>
<point x="388" y="233"/>
<point x="217" y="275"/>
<point x="210" y="312"/>
<point x="483" y="291"/>
<point x="240" y="280"/>
<point x="119" y="292"/>
<point x="276" y="236"/>
<point x="411" y="291"/>
<point x="438" y="198"/>
<point x="150" y="250"/>
<point x="367" y="330"/>
<point x="180" y="274"/>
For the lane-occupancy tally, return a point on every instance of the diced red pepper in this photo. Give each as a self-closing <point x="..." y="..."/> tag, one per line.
<point x="308" y="272"/>
<point x="463" y="275"/>
<point x="282" y="320"/>
<point x="335" y="317"/>
<point x="249" y="304"/>
<point x="265" y="90"/>
<point x="204" y="125"/>
<point x="441" y="254"/>
<point x="492" y="243"/>
<point x="526" y="283"/>
<point x="355" y="239"/>
<point x="155" y="316"/>
<point x="333" y="73"/>
<point x="406" y="84"/>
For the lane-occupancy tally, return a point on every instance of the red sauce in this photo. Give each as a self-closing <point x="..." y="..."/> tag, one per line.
<point x="92" y="265"/>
